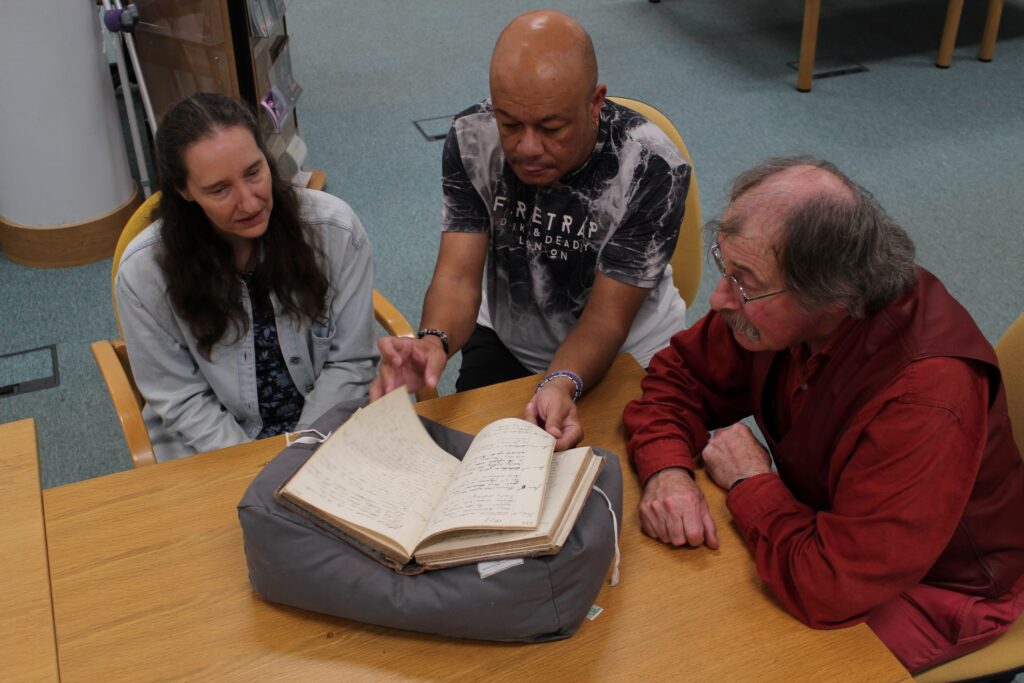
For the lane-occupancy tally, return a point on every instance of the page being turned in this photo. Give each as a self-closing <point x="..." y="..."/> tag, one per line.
<point x="380" y="470"/>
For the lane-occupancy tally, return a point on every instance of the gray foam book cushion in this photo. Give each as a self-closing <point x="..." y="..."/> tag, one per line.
<point x="294" y="562"/>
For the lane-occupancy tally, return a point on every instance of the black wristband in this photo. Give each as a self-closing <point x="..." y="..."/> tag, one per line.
<point x="434" y="333"/>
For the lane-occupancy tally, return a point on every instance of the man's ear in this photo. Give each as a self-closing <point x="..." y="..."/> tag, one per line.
<point x="185" y="194"/>
<point x="597" y="100"/>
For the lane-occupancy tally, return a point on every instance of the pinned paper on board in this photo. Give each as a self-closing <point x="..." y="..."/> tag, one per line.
<point x="284" y="91"/>
<point x="276" y="106"/>
<point x="264" y="15"/>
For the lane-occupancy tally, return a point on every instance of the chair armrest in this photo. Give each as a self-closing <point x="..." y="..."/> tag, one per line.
<point x="127" y="401"/>
<point x="1003" y="656"/>
<point x="389" y="317"/>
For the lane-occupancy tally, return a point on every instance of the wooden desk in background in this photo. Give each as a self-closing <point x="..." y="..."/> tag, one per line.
<point x="27" y="646"/>
<point x="149" y="581"/>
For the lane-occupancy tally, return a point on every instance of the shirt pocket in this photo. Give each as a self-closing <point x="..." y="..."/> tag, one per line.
<point x="321" y="334"/>
<point x="322" y="331"/>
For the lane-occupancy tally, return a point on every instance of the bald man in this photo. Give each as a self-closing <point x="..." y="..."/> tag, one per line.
<point x="561" y="211"/>
<point x="898" y="492"/>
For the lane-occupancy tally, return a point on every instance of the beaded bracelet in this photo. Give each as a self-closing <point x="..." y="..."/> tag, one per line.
<point x="434" y="333"/>
<point x="568" y="375"/>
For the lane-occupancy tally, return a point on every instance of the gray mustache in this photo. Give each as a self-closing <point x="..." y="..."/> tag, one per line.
<point x="741" y="325"/>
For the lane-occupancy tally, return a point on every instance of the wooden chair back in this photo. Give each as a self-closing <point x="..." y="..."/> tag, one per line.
<point x="136" y="224"/>
<point x="1010" y="351"/>
<point x="688" y="258"/>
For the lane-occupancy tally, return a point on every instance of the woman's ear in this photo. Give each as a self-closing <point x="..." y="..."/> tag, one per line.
<point x="185" y="194"/>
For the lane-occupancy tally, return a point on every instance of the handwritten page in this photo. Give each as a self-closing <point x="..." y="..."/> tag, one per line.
<point x="380" y="471"/>
<point x="501" y="482"/>
<point x="567" y="467"/>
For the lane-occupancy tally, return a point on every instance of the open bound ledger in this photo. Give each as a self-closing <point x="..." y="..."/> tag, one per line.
<point x="381" y="483"/>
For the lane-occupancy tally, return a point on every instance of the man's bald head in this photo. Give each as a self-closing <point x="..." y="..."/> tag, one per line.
<point x="545" y="96"/>
<point x="545" y="49"/>
<point x="832" y="240"/>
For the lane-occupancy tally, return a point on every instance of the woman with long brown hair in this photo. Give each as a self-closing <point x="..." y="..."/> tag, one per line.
<point x="247" y="305"/>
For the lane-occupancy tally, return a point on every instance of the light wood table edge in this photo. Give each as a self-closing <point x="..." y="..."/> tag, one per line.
<point x="28" y="637"/>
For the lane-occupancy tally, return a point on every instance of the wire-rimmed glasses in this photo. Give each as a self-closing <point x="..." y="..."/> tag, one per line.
<point x="716" y="253"/>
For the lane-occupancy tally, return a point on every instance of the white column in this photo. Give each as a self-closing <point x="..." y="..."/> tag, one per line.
<point x="62" y="154"/>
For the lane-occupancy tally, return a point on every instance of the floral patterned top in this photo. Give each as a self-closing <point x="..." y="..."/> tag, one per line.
<point x="280" y="402"/>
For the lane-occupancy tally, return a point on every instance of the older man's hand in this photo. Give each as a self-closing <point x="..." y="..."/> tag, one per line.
<point x="673" y="510"/>
<point x="734" y="453"/>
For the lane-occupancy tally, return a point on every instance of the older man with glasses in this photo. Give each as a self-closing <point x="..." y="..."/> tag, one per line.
<point x="897" y="492"/>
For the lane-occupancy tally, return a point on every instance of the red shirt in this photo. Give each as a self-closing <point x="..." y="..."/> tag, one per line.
<point x="892" y="508"/>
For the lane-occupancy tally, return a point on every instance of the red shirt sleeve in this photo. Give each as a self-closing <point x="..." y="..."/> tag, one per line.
<point x="910" y="458"/>
<point x="700" y="381"/>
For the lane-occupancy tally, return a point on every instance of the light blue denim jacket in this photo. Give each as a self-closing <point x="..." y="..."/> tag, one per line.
<point x="195" y="405"/>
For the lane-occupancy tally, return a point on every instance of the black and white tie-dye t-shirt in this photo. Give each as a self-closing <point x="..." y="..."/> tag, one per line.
<point x="618" y="214"/>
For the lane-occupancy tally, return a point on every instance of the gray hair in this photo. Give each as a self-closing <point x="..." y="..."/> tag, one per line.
<point x="834" y="248"/>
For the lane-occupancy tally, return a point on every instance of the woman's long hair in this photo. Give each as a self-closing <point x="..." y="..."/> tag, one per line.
<point x="203" y="285"/>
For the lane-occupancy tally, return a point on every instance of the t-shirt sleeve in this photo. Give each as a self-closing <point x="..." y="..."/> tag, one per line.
<point x="641" y="246"/>
<point x="463" y="209"/>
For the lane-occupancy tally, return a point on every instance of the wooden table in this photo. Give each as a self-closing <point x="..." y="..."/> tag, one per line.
<point x="27" y="646"/>
<point x="149" y="582"/>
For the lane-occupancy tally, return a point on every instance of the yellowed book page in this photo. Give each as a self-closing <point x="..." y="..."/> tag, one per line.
<point x="380" y="470"/>
<point x="579" y="498"/>
<point x="492" y="547"/>
<point x="566" y="468"/>
<point x="501" y="482"/>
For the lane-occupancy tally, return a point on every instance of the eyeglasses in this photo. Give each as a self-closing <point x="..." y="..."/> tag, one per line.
<point x="716" y="253"/>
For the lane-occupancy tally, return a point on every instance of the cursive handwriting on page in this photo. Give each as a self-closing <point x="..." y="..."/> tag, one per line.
<point x="380" y="470"/>
<point x="566" y="468"/>
<point x="501" y="481"/>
